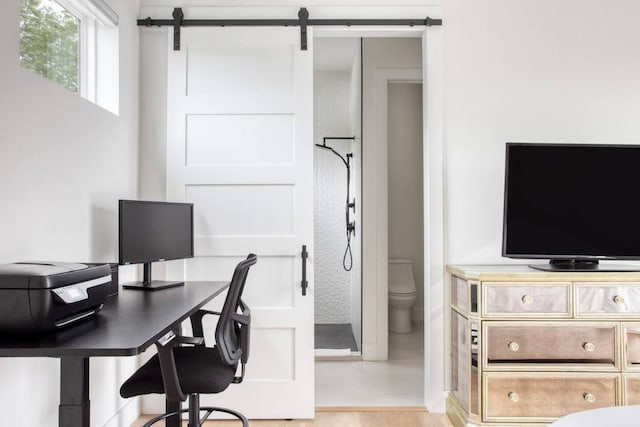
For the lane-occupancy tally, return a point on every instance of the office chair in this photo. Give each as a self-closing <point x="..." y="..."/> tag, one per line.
<point x="193" y="368"/>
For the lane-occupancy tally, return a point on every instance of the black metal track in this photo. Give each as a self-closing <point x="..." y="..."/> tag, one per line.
<point x="149" y="22"/>
<point x="303" y="21"/>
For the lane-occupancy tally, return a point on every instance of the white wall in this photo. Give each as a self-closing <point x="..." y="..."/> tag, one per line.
<point x="406" y="201"/>
<point x="515" y="70"/>
<point x="331" y="3"/>
<point x="331" y="90"/>
<point x="64" y="162"/>
<point x="565" y="71"/>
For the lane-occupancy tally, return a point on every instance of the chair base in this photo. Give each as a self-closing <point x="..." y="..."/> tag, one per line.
<point x="194" y="414"/>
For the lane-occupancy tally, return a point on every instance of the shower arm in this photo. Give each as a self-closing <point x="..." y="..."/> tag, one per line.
<point x="351" y="226"/>
<point x="347" y="164"/>
<point x="326" y="147"/>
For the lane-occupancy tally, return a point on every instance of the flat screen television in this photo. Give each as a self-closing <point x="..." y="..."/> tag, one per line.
<point x="573" y="204"/>
<point x="154" y="231"/>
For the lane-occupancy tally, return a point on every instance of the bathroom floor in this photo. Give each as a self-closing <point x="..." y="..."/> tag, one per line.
<point x="335" y="336"/>
<point x="399" y="381"/>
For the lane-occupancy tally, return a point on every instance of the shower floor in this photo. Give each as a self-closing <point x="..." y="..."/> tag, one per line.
<point x="334" y="336"/>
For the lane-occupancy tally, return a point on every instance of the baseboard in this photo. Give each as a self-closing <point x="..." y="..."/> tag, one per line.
<point x="352" y="358"/>
<point x="438" y="405"/>
<point x="371" y="409"/>
<point x="126" y="416"/>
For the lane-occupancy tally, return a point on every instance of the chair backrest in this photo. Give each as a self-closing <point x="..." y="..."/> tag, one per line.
<point x="232" y="331"/>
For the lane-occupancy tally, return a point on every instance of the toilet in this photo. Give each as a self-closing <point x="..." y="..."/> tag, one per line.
<point x="402" y="295"/>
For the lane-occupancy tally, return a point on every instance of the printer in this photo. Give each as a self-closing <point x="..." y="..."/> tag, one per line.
<point x="44" y="296"/>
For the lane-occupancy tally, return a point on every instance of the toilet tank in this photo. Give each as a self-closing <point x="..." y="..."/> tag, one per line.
<point x="401" y="277"/>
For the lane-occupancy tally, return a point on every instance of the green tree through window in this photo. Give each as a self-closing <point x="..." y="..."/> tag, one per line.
<point x="49" y="41"/>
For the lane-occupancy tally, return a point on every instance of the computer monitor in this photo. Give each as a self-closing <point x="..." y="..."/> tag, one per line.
<point x="151" y="231"/>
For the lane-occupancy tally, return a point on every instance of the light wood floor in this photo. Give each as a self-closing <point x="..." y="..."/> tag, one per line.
<point x="343" y="419"/>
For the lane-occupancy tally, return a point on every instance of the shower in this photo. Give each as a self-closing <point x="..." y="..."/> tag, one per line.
<point x="337" y="134"/>
<point x="349" y="225"/>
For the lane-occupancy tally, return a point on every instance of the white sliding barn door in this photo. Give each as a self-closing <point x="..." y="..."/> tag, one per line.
<point x="240" y="147"/>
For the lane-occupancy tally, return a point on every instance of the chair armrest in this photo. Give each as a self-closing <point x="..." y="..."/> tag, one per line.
<point x="172" y="388"/>
<point x="196" y="321"/>
<point x="189" y="340"/>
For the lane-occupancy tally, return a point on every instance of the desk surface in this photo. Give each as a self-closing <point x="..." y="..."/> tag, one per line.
<point x="127" y="325"/>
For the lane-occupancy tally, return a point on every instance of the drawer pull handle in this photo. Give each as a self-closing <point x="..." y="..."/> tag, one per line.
<point x="618" y="299"/>
<point x="513" y="346"/>
<point x="588" y="346"/>
<point x="589" y="397"/>
<point x="527" y="299"/>
<point x="513" y="396"/>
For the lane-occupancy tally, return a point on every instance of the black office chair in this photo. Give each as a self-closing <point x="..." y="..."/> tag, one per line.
<point x="180" y="371"/>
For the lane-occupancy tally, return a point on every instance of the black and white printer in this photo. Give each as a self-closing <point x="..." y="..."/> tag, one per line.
<point x="43" y="296"/>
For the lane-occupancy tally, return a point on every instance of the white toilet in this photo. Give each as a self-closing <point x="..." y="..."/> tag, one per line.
<point x="402" y="295"/>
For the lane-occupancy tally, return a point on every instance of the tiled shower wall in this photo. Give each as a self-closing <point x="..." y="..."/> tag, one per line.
<point x="331" y="118"/>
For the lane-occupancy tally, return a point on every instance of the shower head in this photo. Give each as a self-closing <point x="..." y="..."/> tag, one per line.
<point x="326" y="147"/>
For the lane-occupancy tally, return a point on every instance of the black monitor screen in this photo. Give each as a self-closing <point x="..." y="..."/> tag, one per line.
<point x="569" y="201"/>
<point x="154" y="231"/>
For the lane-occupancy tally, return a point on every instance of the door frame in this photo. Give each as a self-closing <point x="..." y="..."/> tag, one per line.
<point x="432" y="78"/>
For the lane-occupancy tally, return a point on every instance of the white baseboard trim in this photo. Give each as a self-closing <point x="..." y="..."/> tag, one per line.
<point x="438" y="405"/>
<point x="127" y="415"/>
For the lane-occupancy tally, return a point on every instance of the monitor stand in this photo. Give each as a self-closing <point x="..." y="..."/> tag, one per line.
<point x="582" y="265"/>
<point x="150" y="285"/>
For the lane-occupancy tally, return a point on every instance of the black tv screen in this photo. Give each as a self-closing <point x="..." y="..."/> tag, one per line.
<point x="154" y="231"/>
<point x="570" y="201"/>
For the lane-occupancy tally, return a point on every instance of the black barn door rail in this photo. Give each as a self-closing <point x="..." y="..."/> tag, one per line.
<point x="303" y="22"/>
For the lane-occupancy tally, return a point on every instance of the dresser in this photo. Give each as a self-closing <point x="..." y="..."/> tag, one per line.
<point x="527" y="346"/>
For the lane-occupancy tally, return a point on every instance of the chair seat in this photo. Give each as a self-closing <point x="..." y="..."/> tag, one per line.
<point x="200" y="370"/>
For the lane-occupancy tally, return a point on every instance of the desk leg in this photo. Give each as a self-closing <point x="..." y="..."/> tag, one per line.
<point x="74" y="408"/>
<point x="174" y="421"/>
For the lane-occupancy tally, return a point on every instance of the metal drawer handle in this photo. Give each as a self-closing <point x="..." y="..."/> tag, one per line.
<point x="588" y="346"/>
<point x="513" y="396"/>
<point x="513" y="346"/>
<point x="618" y="299"/>
<point x="589" y="397"/>
<point x="527" y="299"/>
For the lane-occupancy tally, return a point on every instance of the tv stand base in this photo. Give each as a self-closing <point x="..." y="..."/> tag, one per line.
<point x="580" y="265"/>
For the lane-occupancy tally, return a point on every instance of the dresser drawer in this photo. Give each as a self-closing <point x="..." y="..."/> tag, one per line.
<point x="544" y="397"/>
<point x="602" y="299"/>
<point x="631" y="347"/>
<point x="527" y="299"/>
<point x="550" y="343"/>
<point x="632" y="390"/>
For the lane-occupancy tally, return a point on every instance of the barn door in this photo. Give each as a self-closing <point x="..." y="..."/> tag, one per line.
<point x="240" y="147"/>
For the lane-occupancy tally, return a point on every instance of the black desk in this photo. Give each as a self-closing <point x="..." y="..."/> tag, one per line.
<point x="129" y="323"/>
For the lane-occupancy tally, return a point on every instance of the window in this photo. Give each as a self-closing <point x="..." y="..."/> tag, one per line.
<point x="73" y="43"/>
<point x="50" y="42"/>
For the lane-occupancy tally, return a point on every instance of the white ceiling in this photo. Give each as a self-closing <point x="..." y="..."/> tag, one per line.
<point x="334" y="53"/>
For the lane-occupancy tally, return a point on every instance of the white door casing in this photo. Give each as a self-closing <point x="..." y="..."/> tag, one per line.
<point x="240" y="147"/>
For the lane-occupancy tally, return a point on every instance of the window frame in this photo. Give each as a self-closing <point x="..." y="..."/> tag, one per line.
<point x="98" y="52"/>
<point x="86" y="48"/>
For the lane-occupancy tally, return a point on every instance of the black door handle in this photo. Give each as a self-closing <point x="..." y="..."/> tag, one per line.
<point x="304" y="282"/>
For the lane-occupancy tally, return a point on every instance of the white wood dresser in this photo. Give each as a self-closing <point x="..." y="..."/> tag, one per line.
<point x="528" y="346"/>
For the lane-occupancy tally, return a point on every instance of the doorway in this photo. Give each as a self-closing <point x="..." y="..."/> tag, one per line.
<point x="392" y="372"/>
